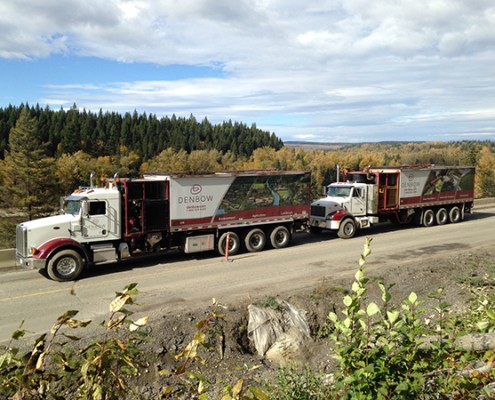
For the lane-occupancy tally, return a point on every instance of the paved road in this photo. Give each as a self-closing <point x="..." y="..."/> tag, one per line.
<point x="176" y="282"/>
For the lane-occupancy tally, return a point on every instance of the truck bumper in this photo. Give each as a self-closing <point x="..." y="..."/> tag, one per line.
<point x="29" y="262"/>
<point x="322" y="224"/>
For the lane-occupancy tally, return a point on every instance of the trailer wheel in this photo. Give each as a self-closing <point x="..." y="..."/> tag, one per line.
<point x="347" y="229"/>
<point x="280" y="237"/>
<point x="428" y="217"/>
<point x="234" y="243"/>
<point x="455" y="215"/>
<point x="255" y="240"/>
<point x="442" y="216"/>
<point x="66" y="265"/>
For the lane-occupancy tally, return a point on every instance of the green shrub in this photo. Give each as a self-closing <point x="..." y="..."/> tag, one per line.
<point x="382" y="351"/>
<point x="294" y="384"/>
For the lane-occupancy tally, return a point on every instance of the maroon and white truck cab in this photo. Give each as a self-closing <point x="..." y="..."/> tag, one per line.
<point x="90" y="216"/>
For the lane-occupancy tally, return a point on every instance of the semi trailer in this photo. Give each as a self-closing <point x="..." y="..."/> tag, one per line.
<point x="426" y="195"/>
<point x="129" y="218"/>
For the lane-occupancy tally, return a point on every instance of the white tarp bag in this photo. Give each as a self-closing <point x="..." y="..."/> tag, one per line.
<point x="266" y="325"/>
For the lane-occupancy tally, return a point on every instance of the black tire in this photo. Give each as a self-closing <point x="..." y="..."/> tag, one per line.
<point x="347" y="229"/>
<point x="442" y="216"/>
<point x="428" y="217"/>
<point x="66" y="265"/>
<point x="455" y="215"/>
<point x="234" y="243"/>
<point x="280" y="237"/>
<point x="255" y="240"/>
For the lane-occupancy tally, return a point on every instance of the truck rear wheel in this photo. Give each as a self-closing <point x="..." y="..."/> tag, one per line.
<point x="280" y="237"/>
<point x="234" y="243"/>
<point x="347" y="229"/>
<point x="455" y="215"/>
<point x="66" y="265"/>
<point x="428" y="217"/>
<point x="442" y="216"/>
<point x="255" y="240"/>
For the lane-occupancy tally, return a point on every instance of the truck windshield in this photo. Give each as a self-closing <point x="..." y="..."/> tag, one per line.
<point x="72" y="206"/>
<point x="339" y="191"/>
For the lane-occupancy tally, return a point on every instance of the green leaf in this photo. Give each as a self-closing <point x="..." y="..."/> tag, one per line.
<point x="347" y="301"/>
<point x="359" y="275"/>
<point x="372" y="309"/>
<point x="332" y="317"/>
<point x="18" y="334"/>
<point x="393" y="316"/>
<point x="413" y="298"/>
<point x="385" y="293"/>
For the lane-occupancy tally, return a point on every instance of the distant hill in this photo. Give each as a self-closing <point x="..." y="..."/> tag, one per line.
<point x="315" y="145"/>
<point x="335" y="146"/>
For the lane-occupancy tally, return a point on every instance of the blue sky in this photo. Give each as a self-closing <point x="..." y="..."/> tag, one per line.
<point x="335" y="71"/>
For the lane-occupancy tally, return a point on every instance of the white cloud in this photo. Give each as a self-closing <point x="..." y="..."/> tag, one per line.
<point x="355" y="66"/>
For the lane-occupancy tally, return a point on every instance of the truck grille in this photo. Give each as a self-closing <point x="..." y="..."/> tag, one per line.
<point x="318" y="211"/>
<point x="21" y="240"/>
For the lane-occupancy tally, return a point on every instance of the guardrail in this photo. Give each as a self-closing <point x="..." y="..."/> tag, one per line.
<point x="484" y="203"/>
<point x="7" y="256"/>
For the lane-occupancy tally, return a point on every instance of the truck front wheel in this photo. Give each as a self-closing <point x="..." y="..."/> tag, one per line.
<point x="233" y="241"/>
<point x="66" y="265"/>
<point x="255" y="240"/>
<point x="347" y="229"/>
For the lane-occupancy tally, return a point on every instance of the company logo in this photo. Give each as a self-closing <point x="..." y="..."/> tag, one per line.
<point x="410" y="177"/>
<point x="196" y="196"/>
<point x="196" y="189"/>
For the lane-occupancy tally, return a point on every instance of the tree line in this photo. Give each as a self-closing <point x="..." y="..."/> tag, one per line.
<point x="35" y="171"/>
<point x="108" y="134"/>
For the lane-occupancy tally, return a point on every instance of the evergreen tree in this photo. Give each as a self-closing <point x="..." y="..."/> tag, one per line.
<point x="28" y="172"/>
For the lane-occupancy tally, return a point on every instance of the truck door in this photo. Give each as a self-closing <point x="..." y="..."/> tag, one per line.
<point x="358" y="201"/>
<point x="95" y="220"/>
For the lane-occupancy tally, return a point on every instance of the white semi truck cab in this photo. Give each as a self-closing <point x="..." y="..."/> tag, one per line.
<point x="424" y="194"/>
<point x="352" y="201"/>
<point x="89" y="219"/>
